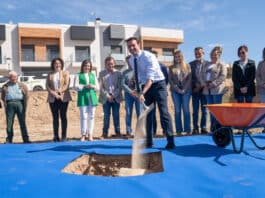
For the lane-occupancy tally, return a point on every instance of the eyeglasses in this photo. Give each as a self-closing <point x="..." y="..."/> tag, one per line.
<point x="242" y="52"/>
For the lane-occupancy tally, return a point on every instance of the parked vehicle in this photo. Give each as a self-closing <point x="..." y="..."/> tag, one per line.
<point x="33" y="83"/>
<point x="3" y="80"/>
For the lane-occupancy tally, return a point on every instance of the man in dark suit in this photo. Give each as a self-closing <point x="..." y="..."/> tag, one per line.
<point x="243" y="76"/>
<point x="198" y="99"/>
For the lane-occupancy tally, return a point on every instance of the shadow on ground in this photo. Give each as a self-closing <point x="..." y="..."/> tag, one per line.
<point x="202" y="151"/>
<point x="81" y="148"/>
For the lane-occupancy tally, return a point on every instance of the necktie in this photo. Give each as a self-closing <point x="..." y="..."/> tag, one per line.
<point x="110" y="84"/>
<point x="136" y="75"/>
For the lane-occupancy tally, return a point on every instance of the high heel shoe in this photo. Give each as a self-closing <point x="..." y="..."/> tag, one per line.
<point x="90" y="137"/>
<point x="83" y="138"/>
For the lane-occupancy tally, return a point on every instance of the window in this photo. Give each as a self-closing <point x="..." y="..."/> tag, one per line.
<point x="0" y="55"/>
<point x="24" y="79"/>
<point x="168" y="51"/>
<point x="28" y="53"/>
<point x="82" y="53"/>
<point x="149" y="49"/>
<point x="116" y="49"/>
<point x="52" y="51"/>
<point x="119" y="67"/>
<point x="40" y="76"/>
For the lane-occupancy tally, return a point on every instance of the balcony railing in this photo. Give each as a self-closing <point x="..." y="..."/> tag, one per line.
<point x="35" y="63"/>
<point x="165" y="58"/>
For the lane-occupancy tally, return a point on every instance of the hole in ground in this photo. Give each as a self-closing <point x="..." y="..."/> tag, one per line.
<point x="114" y="165"/>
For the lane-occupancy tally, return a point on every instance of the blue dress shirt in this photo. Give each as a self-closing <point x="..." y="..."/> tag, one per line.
<point x="14" y="93"/>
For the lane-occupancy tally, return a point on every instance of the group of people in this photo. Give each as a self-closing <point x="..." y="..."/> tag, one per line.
<point x="144" y="82"/>
<point x="204" y="81"/>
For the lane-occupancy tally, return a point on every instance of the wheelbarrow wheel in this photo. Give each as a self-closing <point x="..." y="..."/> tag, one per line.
<point x="222" y="136"/>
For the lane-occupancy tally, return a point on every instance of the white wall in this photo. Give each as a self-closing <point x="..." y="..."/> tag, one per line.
<point x="68" y="48"/>
<point x="162" y="33"/>
<point x="131" y="31"/>
<point x="10" y="45"/>
<point x="10" y="49"/>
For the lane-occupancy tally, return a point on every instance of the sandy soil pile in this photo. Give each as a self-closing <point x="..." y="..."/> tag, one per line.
<point x="114" y="165"/>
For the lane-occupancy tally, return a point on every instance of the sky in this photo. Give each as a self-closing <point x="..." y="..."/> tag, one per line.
<point x="206" y="23"/>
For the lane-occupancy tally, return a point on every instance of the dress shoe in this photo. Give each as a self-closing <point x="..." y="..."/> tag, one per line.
<point x="129" y="135"/>
<point x="170" y="146"/>
<point x="90" y="137"/>
<point x="8" y="141"/>
<point x="82" y="139"/>
<point x="64" y="139"/>
<point x="149" y="145"/>
<point x="195" y="131"/>
<point x="204" y="131"/>
<point x="104" y="136"/>
<point x="188" y="133"/>
<point x="118" y="135"/>
<point x="56" y="139"/>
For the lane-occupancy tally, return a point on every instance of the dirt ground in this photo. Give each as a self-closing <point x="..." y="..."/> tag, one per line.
<point x="39" y="120"/>
<point x="114" y="165"/>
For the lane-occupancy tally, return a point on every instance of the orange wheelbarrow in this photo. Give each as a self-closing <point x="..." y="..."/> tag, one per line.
<point x="241" y="116"/>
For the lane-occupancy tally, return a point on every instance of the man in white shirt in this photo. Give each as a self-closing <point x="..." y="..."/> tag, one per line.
<point x="147" y="71"/>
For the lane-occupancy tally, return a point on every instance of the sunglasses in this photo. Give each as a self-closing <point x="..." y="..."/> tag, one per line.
<point x="242" y="52"/>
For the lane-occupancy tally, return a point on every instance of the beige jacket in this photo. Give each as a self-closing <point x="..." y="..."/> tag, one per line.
<point x="176" y="84"/>
<point x="218" y="75"/>
<point x="23" y="88"/>
<point x="260" y="77"/>
<point x="63" y="86"/>
<point x="104" y="86"/>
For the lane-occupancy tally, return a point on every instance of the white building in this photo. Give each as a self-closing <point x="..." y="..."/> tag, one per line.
<point x="29" y="48"/>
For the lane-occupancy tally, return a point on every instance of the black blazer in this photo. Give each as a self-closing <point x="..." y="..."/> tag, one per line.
<point x="246" y="79"/>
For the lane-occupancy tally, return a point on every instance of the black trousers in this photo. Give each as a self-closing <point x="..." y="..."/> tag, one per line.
<point x="59" y="108"/>
<point x="154" y="124"/>
<point x="158" y="93"/>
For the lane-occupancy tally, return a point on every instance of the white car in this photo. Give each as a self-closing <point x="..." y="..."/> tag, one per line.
<point x="3" y="80"/>
<point x="33" y="83"/>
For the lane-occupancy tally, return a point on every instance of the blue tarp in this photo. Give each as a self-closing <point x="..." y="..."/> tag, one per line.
<point x="195" y="168"/>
